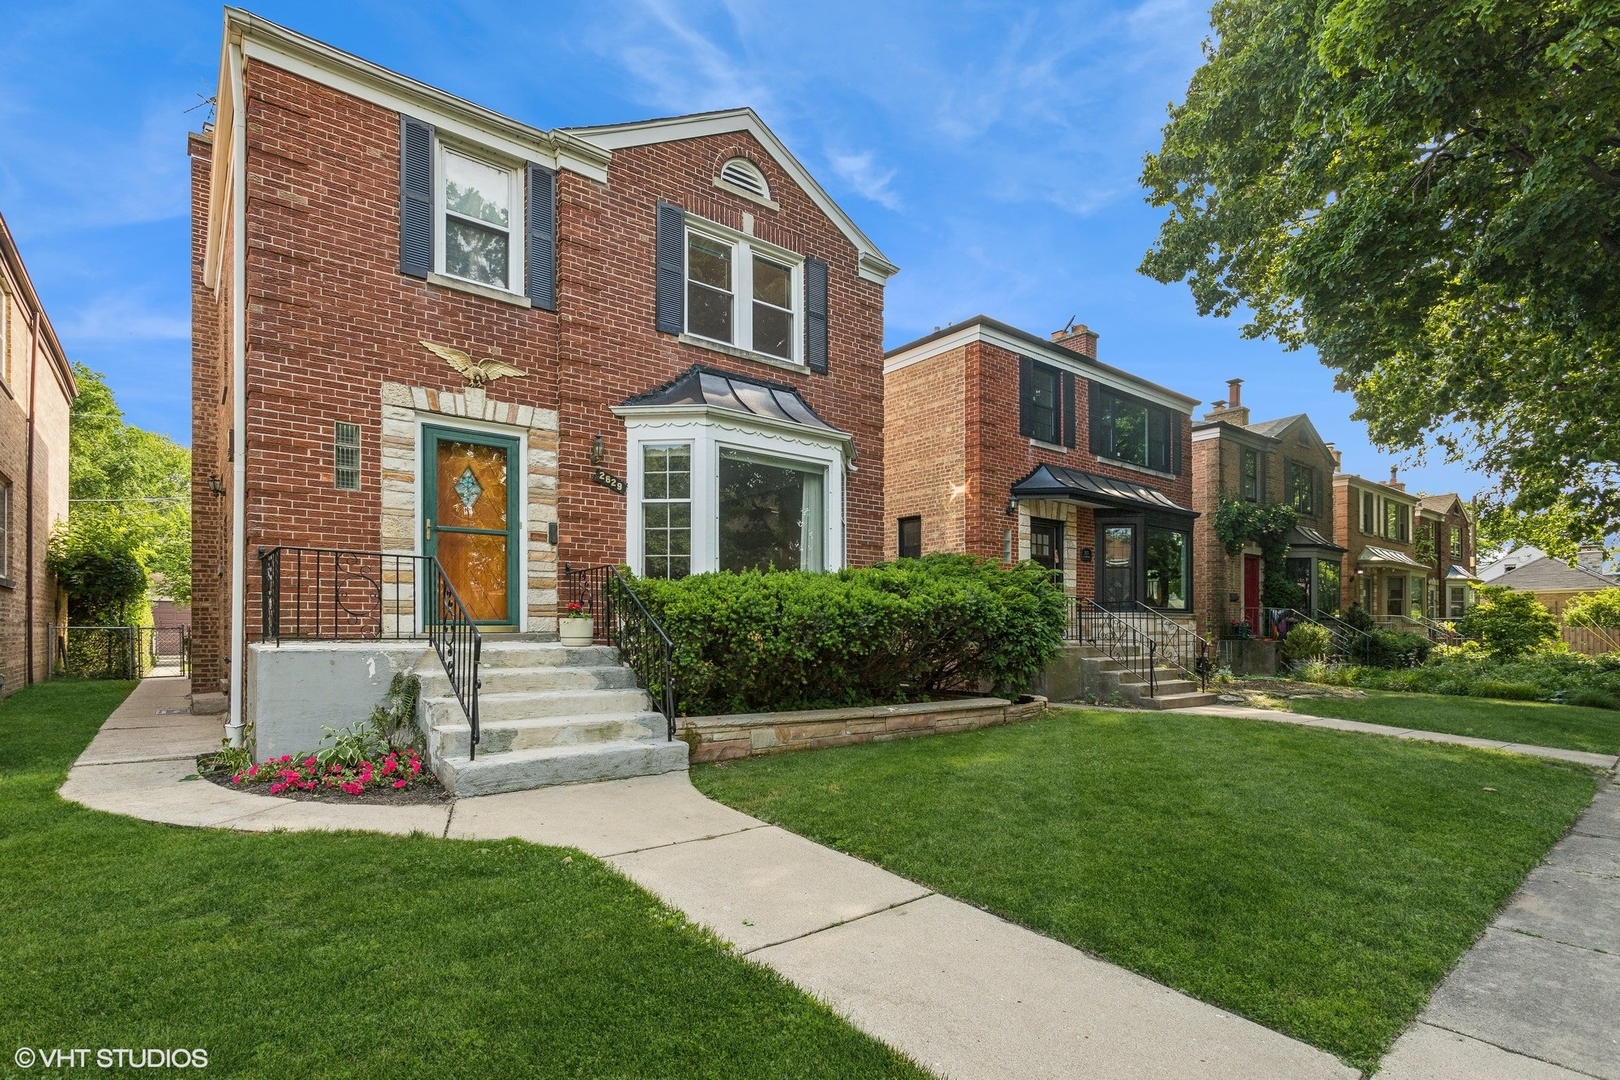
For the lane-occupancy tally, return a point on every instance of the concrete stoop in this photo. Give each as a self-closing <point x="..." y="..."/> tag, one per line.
<point x="1107" y="678"/>
<point x="548" y="714"/>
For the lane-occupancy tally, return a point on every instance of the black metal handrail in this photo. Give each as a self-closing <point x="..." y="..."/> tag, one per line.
<point x="1343" y="634"/>
<point x="329" y="594"/>
<point x="1092" y="624"/>
<point x="622" y="620"/>
<point x="1179" y="647"/>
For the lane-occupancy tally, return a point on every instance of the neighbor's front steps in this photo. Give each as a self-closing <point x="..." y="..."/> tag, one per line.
<point x="548" y="714"/>
<point x="1171" y="690"/>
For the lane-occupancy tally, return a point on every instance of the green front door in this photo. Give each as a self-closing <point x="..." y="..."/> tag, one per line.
<point x="470" y="519"/>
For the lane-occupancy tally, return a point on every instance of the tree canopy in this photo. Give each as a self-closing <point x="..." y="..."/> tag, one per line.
<point x="130" y="491"/>
<point x="1427" y="192"/>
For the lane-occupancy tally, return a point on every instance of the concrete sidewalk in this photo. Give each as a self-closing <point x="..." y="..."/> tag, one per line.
<point x="961" y="991"/>
<point x="1606" y="762"/>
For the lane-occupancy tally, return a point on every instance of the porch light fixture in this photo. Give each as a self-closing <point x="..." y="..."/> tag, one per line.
<point x="1012" y="506"/>
<point x="216" y="486"/>
<point x="598" y="450"/>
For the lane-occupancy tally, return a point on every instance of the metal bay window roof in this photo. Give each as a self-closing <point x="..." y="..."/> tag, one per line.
<point x="1089" y="489"/>
<point x="712" y="388"/>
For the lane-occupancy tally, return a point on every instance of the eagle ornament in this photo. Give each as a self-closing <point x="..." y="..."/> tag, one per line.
<point x="476" y="372"/>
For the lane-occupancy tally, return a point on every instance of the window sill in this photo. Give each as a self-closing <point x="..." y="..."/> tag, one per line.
<point x="446" y="282"/>
<point x="7" y="583"/>
<point x="741" y="354"/>
<point x="1134" y="467"/>
<point x="1042" y="444"/>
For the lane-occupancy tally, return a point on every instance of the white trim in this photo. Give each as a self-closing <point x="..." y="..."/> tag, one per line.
<point x="743" y="193"/>
<point x="744" y="248"/>
<point x="873" y="266"/>
<point x="478" y="288"/>
<point x="1055" y="356"/>
<point x="707" y="430"/>
<point x="238" y="194"/>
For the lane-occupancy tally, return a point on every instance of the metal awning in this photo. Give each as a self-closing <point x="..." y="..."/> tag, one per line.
<point x="706" y="387"/>
<point x="1460" y="573"/>
<point x="1089" y="489"/>
<point x="1303" y="536"/>
<point x="1379" y="556"/>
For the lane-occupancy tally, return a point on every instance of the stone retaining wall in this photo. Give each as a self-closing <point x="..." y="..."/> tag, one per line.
<point x="724" y="738"/>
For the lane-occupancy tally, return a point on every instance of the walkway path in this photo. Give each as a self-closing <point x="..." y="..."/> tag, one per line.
<point x="961" y="991"/>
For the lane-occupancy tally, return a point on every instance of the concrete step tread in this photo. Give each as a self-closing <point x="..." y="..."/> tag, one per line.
<point x="530" y="723"/>
<point x="519" y="770"/>
<point x="1181" y="701"/>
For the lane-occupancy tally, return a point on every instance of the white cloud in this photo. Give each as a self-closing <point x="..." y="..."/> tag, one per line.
<point x="861" y="172"/>
<point x="122" y="316"/>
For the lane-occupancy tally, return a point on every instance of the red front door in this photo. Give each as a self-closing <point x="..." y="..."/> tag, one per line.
<point x="1251" y="593"/>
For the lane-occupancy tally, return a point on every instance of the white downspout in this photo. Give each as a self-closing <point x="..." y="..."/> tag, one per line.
<point x="233" y="729"/>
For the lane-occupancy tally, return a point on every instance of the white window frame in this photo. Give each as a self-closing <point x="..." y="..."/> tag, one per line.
<point x="5" y="528"/>
<point x="517" y="250"/>
<point x="743" y="249"/>
<point x="5" y="334"/>
<point x="708" y="431"/>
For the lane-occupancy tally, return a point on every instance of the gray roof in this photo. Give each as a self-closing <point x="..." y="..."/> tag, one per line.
<point x="1056" y="482"/>
<point x="1304" y="536"/>
<point x="1460" y="573"/>
<point x="1552" y="574"/>
<point x="1271" y="427"/>
<point x="700" y="385"/>
<point x="1388" y="556"/>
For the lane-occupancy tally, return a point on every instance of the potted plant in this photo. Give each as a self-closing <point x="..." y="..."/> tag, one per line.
<point x="1241" y="629"/>
<point x="576" y="628"/>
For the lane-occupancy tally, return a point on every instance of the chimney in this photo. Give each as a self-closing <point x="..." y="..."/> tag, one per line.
<point x="1338" y="458"/>
<point x="1077" y="337"/>
<point x="1590" y="557"/>
<point x="1232" y="410"/>
<point x="1234" y="393"/>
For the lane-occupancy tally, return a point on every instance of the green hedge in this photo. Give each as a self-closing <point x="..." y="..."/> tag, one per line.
<point x="1469" y="671"/>
<point x="763" y="642"/>
<point x="1390" y="649"/>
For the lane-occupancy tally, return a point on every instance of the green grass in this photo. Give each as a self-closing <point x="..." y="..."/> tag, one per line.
<point x="1537" y="723"/>
<point x="361" y="955"/>
<point x="1318" y="882"/>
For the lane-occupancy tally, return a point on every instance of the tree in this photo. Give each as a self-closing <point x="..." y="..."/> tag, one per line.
<point x="1429" y="194"/>
<point x="1599" y="609"/>
<point x="130" y="489"/>
<point x="1508" y="623"/>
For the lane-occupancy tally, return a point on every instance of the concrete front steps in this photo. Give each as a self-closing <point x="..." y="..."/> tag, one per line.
<point x="548" y="714"/>
<point x="1171" y="689"/>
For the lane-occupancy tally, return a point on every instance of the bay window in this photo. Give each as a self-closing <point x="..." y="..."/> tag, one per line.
<point x="1169" y="558"/>
<point x="770" y="512"/>
<point x="666" y="511"/>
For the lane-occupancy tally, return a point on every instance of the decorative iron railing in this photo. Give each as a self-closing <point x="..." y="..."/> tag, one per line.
<point x="1339" y="637"/>
<point x="327" y="594"/>
<point x="1343" y="634"/>
<point x="622" y="620"/>
<point x="1179" y="647"/>
<point x="1092" y="624"/>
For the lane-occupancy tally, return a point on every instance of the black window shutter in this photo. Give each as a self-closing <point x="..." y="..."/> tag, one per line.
<point x="815" y="315"/>
<point x="1175" y="443"/>
<point x="1067" y="406"/>
<point x="415" y="197"/>
<point x="1026" y="396"/>
<point x="670" y="254"/>
<point x="541" y="272"/>
<point x="1094" y="418"/>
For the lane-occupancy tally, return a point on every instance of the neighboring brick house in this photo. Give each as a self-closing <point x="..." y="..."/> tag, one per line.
<point x="1004" y="444"/>
<point x="695" y="327"/>
<point x="1274" y="461"/>
<point x="1446" y="536"/>
<point x="36" y="396"/>
<point x="1376" y="524"/>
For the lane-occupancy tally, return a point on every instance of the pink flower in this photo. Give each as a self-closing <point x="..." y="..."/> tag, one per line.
<point x="254" y="771"/>
<point x="399" y="784"/>
<point x="334" y="767"/>
<point x="389" y="766"/>
<point x="286" y="757"/>
<point x="276" y="789"/>
<point x="352" y="788"/>
<point x="416" y="766"/>
<point x="237" y="779"/>
<point x="309" y="763"/>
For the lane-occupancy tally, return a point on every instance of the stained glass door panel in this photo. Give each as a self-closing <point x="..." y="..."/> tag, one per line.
<point x="472" y="528"/>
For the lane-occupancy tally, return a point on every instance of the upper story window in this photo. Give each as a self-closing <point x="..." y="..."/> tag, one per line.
<point x="1251" y="475"/>
<point x="744" y="174"/>
<point x="1131" y="430"/>
<point x="1456" y="542"/>
<point x="1040" y="406"/>
<point x="1369" y="522"/>
<point x="1302" y="487"/>
<point x="478" y="203"/>
<point x="5" y="527"/>
<point x="5" y="335"/>
<point x="742" y="293"/>
<point x="1397" y="521"/>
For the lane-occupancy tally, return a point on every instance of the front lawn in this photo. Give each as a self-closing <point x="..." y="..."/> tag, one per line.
<point x="347" y="954"/>
<point x="1319" y="882"/>
<point x="1536" y="723"/>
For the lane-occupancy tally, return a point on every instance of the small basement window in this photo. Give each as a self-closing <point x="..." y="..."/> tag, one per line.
<point x="346" y="456"/>
<point x="910" y="539"/>
<point x="744" y="174"/>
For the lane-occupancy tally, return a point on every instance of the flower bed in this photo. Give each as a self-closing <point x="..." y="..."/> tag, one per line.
<point x="396" y="776"/>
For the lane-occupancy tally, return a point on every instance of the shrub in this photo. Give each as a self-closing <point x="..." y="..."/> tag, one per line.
<point x="1468" y="670"/>
<point x="1307" y="641"/>
<point x="1506" y="691"/>
<point x="1589" y="697"/>
<point x="1390" y="649"/>
<point x="757" y="642"/>
<point x="1509" y="624"/>
<point x="1598" y="609"/>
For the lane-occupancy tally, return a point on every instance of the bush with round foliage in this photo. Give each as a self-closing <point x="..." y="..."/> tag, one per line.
<point x="1509" y="624"/>
<point x="1307" y="641"/>
<point x="101" y="573"/>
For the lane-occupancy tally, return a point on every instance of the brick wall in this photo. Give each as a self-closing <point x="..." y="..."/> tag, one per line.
<point x="924" y="467"/>
<point x="210" y="603"/>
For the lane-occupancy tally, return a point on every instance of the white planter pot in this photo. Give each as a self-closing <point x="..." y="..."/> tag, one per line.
<point x="576" y="632"/>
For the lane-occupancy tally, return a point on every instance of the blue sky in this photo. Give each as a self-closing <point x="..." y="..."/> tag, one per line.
<point x="991" y="150"/>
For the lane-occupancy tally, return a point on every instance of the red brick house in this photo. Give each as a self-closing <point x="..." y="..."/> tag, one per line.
<point x="421" y="327"/>
<point x="1446" y="544"/>
<point x="1004" y="444"/>
<point x="36" y="397"/>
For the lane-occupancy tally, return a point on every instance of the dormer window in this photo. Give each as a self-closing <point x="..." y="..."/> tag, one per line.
<point x="742" y="173"/>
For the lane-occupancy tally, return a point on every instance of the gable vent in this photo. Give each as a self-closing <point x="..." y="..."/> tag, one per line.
<point x="742" y="172"/>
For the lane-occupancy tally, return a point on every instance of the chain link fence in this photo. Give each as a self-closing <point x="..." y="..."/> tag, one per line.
<point x="118" y="652"/>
